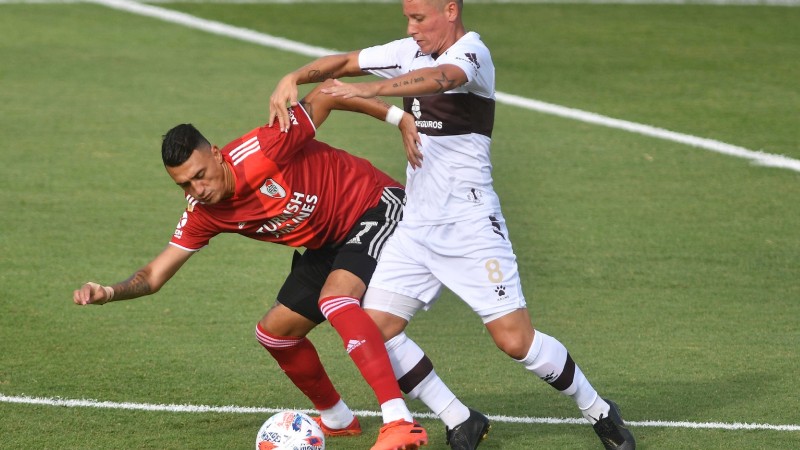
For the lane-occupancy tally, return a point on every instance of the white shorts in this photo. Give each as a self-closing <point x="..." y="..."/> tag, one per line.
<point x="472" y="258"/>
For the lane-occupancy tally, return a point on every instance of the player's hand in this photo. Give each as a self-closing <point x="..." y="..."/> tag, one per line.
<point x="284" y="95"/>
<point x="411" y="142"/>
<point x="350" y="90"/>
<point x="92" y="294"/>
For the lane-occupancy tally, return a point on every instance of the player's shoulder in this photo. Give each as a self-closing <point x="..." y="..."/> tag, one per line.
<point x="471" y="42"/>
<point x="395" y="47"/>
<point x="249" y="136"/>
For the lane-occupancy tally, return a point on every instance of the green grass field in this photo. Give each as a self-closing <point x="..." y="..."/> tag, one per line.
<point x="670" y="272"/>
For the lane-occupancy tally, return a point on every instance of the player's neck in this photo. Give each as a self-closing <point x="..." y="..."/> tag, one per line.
<point x="230" y="180"/>
<point x="457" y="34"/>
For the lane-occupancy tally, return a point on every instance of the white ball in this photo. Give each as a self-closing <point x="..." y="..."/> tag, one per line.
<point x="290" y="430"/>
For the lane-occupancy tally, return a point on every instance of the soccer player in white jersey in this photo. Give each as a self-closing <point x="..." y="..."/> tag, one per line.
<point x="453" y="233"/>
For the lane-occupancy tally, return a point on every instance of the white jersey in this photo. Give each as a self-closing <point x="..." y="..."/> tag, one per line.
<point x="455" y="128"/>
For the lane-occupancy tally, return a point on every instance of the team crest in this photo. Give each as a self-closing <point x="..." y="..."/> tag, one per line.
<point x="272" y="189"/>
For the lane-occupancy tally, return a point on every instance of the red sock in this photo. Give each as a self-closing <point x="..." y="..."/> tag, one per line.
<point x="364" y="343"/>
<point x="299" y="360"/>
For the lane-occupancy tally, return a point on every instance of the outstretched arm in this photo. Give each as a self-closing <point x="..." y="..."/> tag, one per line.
<point x="318" y="106"/>
<point x="145" y="281"/>
<point x="420" y="82"/>
<point x="317" y="71"/>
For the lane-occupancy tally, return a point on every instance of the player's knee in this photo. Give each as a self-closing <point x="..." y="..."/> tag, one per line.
<point x="281" y="321"/>
<point x="513" y="348"/>
<point x="389" y="324"/>
<point x="512" y="333"/>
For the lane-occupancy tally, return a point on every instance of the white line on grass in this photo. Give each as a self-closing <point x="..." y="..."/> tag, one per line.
<point x="82" y="403"/>
<point x="187" y="20"/>
<point x="759" y="158"/>
<point x="755" y="157"/>
<point x="791" y="3"/>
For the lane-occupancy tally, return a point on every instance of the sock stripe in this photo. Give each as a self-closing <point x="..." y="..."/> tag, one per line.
<point x="414" y="377"/>
<point x="564" y="381"/>
<point x="332" y="305"/>
<point x="271" y="341"/>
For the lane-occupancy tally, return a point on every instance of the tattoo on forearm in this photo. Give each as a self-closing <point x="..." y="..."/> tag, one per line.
<point x="381" y="102"/>
<point x="445" y="84"/>
<point x="317" y="76"/>
<point x="135" y="286"/>
<point x="408" y="82"/>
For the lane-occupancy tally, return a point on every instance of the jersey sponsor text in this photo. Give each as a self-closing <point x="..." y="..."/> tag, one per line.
<point x="298" y="209"/>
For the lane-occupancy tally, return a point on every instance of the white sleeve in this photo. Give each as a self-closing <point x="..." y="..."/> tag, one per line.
<point x="385" y="60"/>
<point x="476" y="62"/>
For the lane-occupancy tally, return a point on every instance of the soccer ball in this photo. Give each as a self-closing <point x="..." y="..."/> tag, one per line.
<point x="290" y="430"/>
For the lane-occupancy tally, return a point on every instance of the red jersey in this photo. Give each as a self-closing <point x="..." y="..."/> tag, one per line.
<point x="290" y="189"/>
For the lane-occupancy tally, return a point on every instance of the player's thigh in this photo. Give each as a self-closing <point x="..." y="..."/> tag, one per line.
<point x="358" y="254"/>
<point x="403" y="267"/>
<point x="475" y="260"/>
<point x="301" y="289"/>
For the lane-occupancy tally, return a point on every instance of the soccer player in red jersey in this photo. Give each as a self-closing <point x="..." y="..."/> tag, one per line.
<point x="290" y="189"/>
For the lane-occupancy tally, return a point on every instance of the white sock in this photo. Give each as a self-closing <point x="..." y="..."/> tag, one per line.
<point x="440" y="400"/>
<point x="405" y="355"/>
<point x="395" y="409"/>
<point x="337" y="417"/>
<point x="547" y="358"/>
<point x="599" y="408"/>
<point x="455" y="414"/>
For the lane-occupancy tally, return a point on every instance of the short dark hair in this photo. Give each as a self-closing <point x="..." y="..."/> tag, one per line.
<point x="179" y="143"/>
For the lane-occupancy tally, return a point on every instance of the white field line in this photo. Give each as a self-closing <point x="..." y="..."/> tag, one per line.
<point x="790" y="3"/>
<point x="82" y="403"/>
<point x="246" y="35"/>
<point x="187" y="20"/>
<point x="522" y="2"/>
<point x="755" y="157"/>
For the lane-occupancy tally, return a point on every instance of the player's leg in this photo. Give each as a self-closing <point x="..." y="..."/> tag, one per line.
<point x="549" y="359"/>
<point x="391" y="311"/>
<point x="340" y="303"/>
<point x="465" y="427"/>
<point x="484" y="273"/>
<point x="283" y="332"/>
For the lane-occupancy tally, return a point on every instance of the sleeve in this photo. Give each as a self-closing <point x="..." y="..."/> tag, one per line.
<point x="476" y="62"/>
<point x="281" y="147"/>
<point x="192" y="232"/>
<point x="385" y="60"/>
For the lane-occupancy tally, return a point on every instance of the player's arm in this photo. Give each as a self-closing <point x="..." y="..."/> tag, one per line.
<point x="317" y="71"/>
<point x="318" y="106"/>
<point x="420" y="82"/>
<point x="145" y="281"/>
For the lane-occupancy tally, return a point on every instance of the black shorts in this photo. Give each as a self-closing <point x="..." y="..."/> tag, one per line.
<point x="357" y="254"/>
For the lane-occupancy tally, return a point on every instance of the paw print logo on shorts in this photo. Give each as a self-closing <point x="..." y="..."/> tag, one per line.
<point x="501" y="290"/>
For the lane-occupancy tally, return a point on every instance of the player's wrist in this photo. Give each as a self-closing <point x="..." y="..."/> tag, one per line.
<point x="109" y="293"/>
<point x="394" y="115"/>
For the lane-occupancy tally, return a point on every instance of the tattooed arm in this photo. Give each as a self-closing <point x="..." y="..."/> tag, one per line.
<point x="428" y="81"/>
<point x="319" y="70"/>
<point x="318" y="106"/>
<point x="145" y="281"/>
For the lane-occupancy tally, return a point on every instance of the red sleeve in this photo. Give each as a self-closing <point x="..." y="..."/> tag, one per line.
<point x="281" y="147"/>
<point x="193" y="231"/>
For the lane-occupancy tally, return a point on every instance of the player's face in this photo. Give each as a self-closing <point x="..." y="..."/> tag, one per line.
<point x="429" y="23"/>
<point x="202" y="176"/>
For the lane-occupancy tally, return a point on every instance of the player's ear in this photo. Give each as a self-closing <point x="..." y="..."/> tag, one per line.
<point x="217" y="154"/>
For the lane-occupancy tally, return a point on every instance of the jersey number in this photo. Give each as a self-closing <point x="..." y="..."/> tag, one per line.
<point x="493" y="270"/>
<point x="367" y="226"/>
